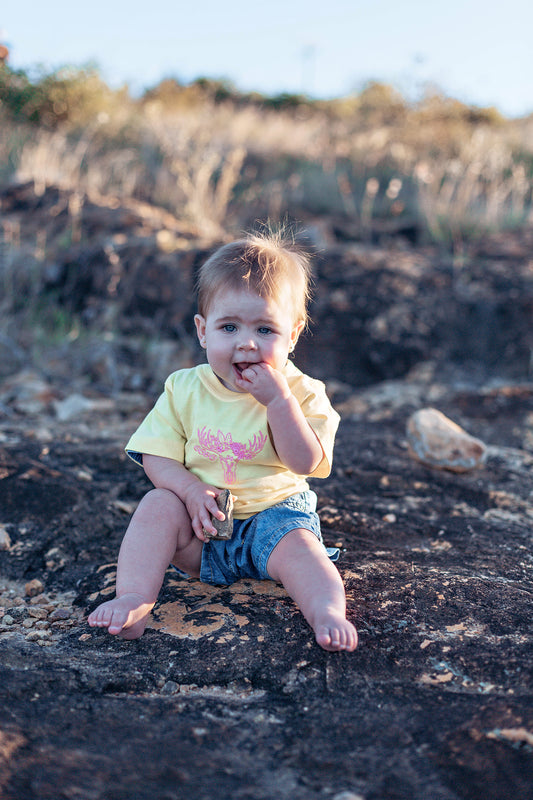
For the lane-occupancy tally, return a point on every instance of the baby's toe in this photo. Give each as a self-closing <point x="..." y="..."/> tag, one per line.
<point x="323" y="637"/>
<point x="116" y="621"/>
<point x="350" y="639"/>
<point x="96" y="617"/>
<point x="329" y="638"/>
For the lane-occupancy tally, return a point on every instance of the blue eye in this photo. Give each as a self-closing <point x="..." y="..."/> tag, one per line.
<point x="264" y="331"/>
<point x="229" y="328"/>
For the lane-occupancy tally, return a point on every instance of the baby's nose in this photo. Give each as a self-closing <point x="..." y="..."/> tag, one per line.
<point x="247" y="343"/>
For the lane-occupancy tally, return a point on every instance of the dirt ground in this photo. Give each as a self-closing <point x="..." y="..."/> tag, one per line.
<point x="226" y="695"/>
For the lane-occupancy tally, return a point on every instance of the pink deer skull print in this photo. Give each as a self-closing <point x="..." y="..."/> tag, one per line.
<point x="222" y="447"/>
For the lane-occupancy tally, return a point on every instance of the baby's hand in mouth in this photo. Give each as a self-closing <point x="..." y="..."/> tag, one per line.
<point x="245" y="366"/>
<point x="241" y="366"/>
<point x="262" y="381"/>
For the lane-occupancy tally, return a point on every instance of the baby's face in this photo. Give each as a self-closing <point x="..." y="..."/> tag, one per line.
<point x="242" y="328"/>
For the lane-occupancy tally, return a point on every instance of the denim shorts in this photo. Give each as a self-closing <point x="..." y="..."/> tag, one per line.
<point x="246" y="554"/>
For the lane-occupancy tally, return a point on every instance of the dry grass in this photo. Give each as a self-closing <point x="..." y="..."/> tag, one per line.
<point x="483" y="188"/>
<point x="455" y="173"/>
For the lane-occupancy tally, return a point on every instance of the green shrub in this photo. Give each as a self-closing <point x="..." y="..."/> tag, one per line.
<point x="69" y="95"/>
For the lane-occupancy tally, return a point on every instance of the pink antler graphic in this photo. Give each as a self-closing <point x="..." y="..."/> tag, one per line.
<point x="222" y="448"/>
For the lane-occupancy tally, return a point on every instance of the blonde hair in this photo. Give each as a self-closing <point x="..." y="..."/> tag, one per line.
<point x="262" y="263"/>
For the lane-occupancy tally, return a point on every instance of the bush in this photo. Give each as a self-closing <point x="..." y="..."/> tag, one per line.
<point x="218" y="158"/>
<point x="69" y="95"/>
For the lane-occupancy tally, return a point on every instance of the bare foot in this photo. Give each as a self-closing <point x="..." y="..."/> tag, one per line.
<point x="334" y="632"/>
<point x="125" y="616"/>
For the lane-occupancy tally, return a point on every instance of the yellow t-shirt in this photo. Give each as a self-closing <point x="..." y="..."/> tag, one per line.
<point x="222" y="437"/>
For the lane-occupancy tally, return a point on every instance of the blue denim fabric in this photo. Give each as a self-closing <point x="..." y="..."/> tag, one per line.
<point x="246" y="554"/>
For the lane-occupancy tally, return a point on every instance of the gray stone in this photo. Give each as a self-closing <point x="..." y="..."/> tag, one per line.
<point x="224" y="527"/>
<point x="60" y="614"/>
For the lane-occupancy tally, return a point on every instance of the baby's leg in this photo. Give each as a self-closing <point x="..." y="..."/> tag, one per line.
<point x="159" y="532"/>
<point x="301" y="564"/>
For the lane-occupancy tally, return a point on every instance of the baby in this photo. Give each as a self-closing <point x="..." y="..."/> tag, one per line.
<point x="248" y="421"/>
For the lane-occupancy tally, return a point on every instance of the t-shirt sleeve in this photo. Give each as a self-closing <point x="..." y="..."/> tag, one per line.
<point x="324" y="421"/>
<point x="161" y="433"/>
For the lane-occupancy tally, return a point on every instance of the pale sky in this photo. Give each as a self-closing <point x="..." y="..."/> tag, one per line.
<point x="478" y="51"/>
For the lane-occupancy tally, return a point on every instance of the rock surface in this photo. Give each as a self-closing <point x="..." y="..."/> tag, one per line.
<point x="435" y="703"/>
<point x="226" y="695"/>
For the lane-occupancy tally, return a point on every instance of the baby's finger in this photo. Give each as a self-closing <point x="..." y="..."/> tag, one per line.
<point x="242" y="380"/>
<point x="200" y="529"/>
<point x="207" y="524"/>
<point x="251" y="374"/>
<point x="214" y="510"/>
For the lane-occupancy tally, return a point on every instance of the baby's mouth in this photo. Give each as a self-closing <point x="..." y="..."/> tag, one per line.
<point x="241" y="366"/>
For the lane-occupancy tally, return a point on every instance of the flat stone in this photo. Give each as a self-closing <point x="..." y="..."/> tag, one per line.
<point x="348" y="796"/>
<point x="437" y="441"/>
<point x="60" y="613"/>
<point x="17" y="613"/>
<point x="27" y="392"/>
<point x="76" y="404"/>
<point x="18" y="601"/>
<point x="37" y="613"/>
<point x="39" y="599"/>
<point x="170" y="687"/>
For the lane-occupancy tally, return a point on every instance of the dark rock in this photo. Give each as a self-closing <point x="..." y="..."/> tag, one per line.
<point x="59" y="614"/>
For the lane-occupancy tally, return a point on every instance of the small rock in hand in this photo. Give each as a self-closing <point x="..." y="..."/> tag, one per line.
<point x="224" y="527"/>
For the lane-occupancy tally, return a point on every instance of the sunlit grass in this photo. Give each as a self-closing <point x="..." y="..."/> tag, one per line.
<point x="219" y="160"/>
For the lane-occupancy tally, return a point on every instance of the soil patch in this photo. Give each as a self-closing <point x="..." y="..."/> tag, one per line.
<point x="226" y="693"/>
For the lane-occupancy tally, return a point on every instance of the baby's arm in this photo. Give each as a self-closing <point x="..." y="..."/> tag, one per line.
<point x="199" y="497"/>
<point x="296" y="443"/>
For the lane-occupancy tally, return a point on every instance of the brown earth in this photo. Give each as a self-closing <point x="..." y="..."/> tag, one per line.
<point x="226" y="695"/>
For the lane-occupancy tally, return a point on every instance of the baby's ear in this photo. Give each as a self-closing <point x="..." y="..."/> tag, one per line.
<point x="295" y="333"/>
<point x="199" y="321"/>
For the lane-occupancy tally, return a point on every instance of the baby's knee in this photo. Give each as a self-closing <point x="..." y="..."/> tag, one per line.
<point x="161" y="499"/>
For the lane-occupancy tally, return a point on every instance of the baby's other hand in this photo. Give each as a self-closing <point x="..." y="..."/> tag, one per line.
<point x="201" y="503"/>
